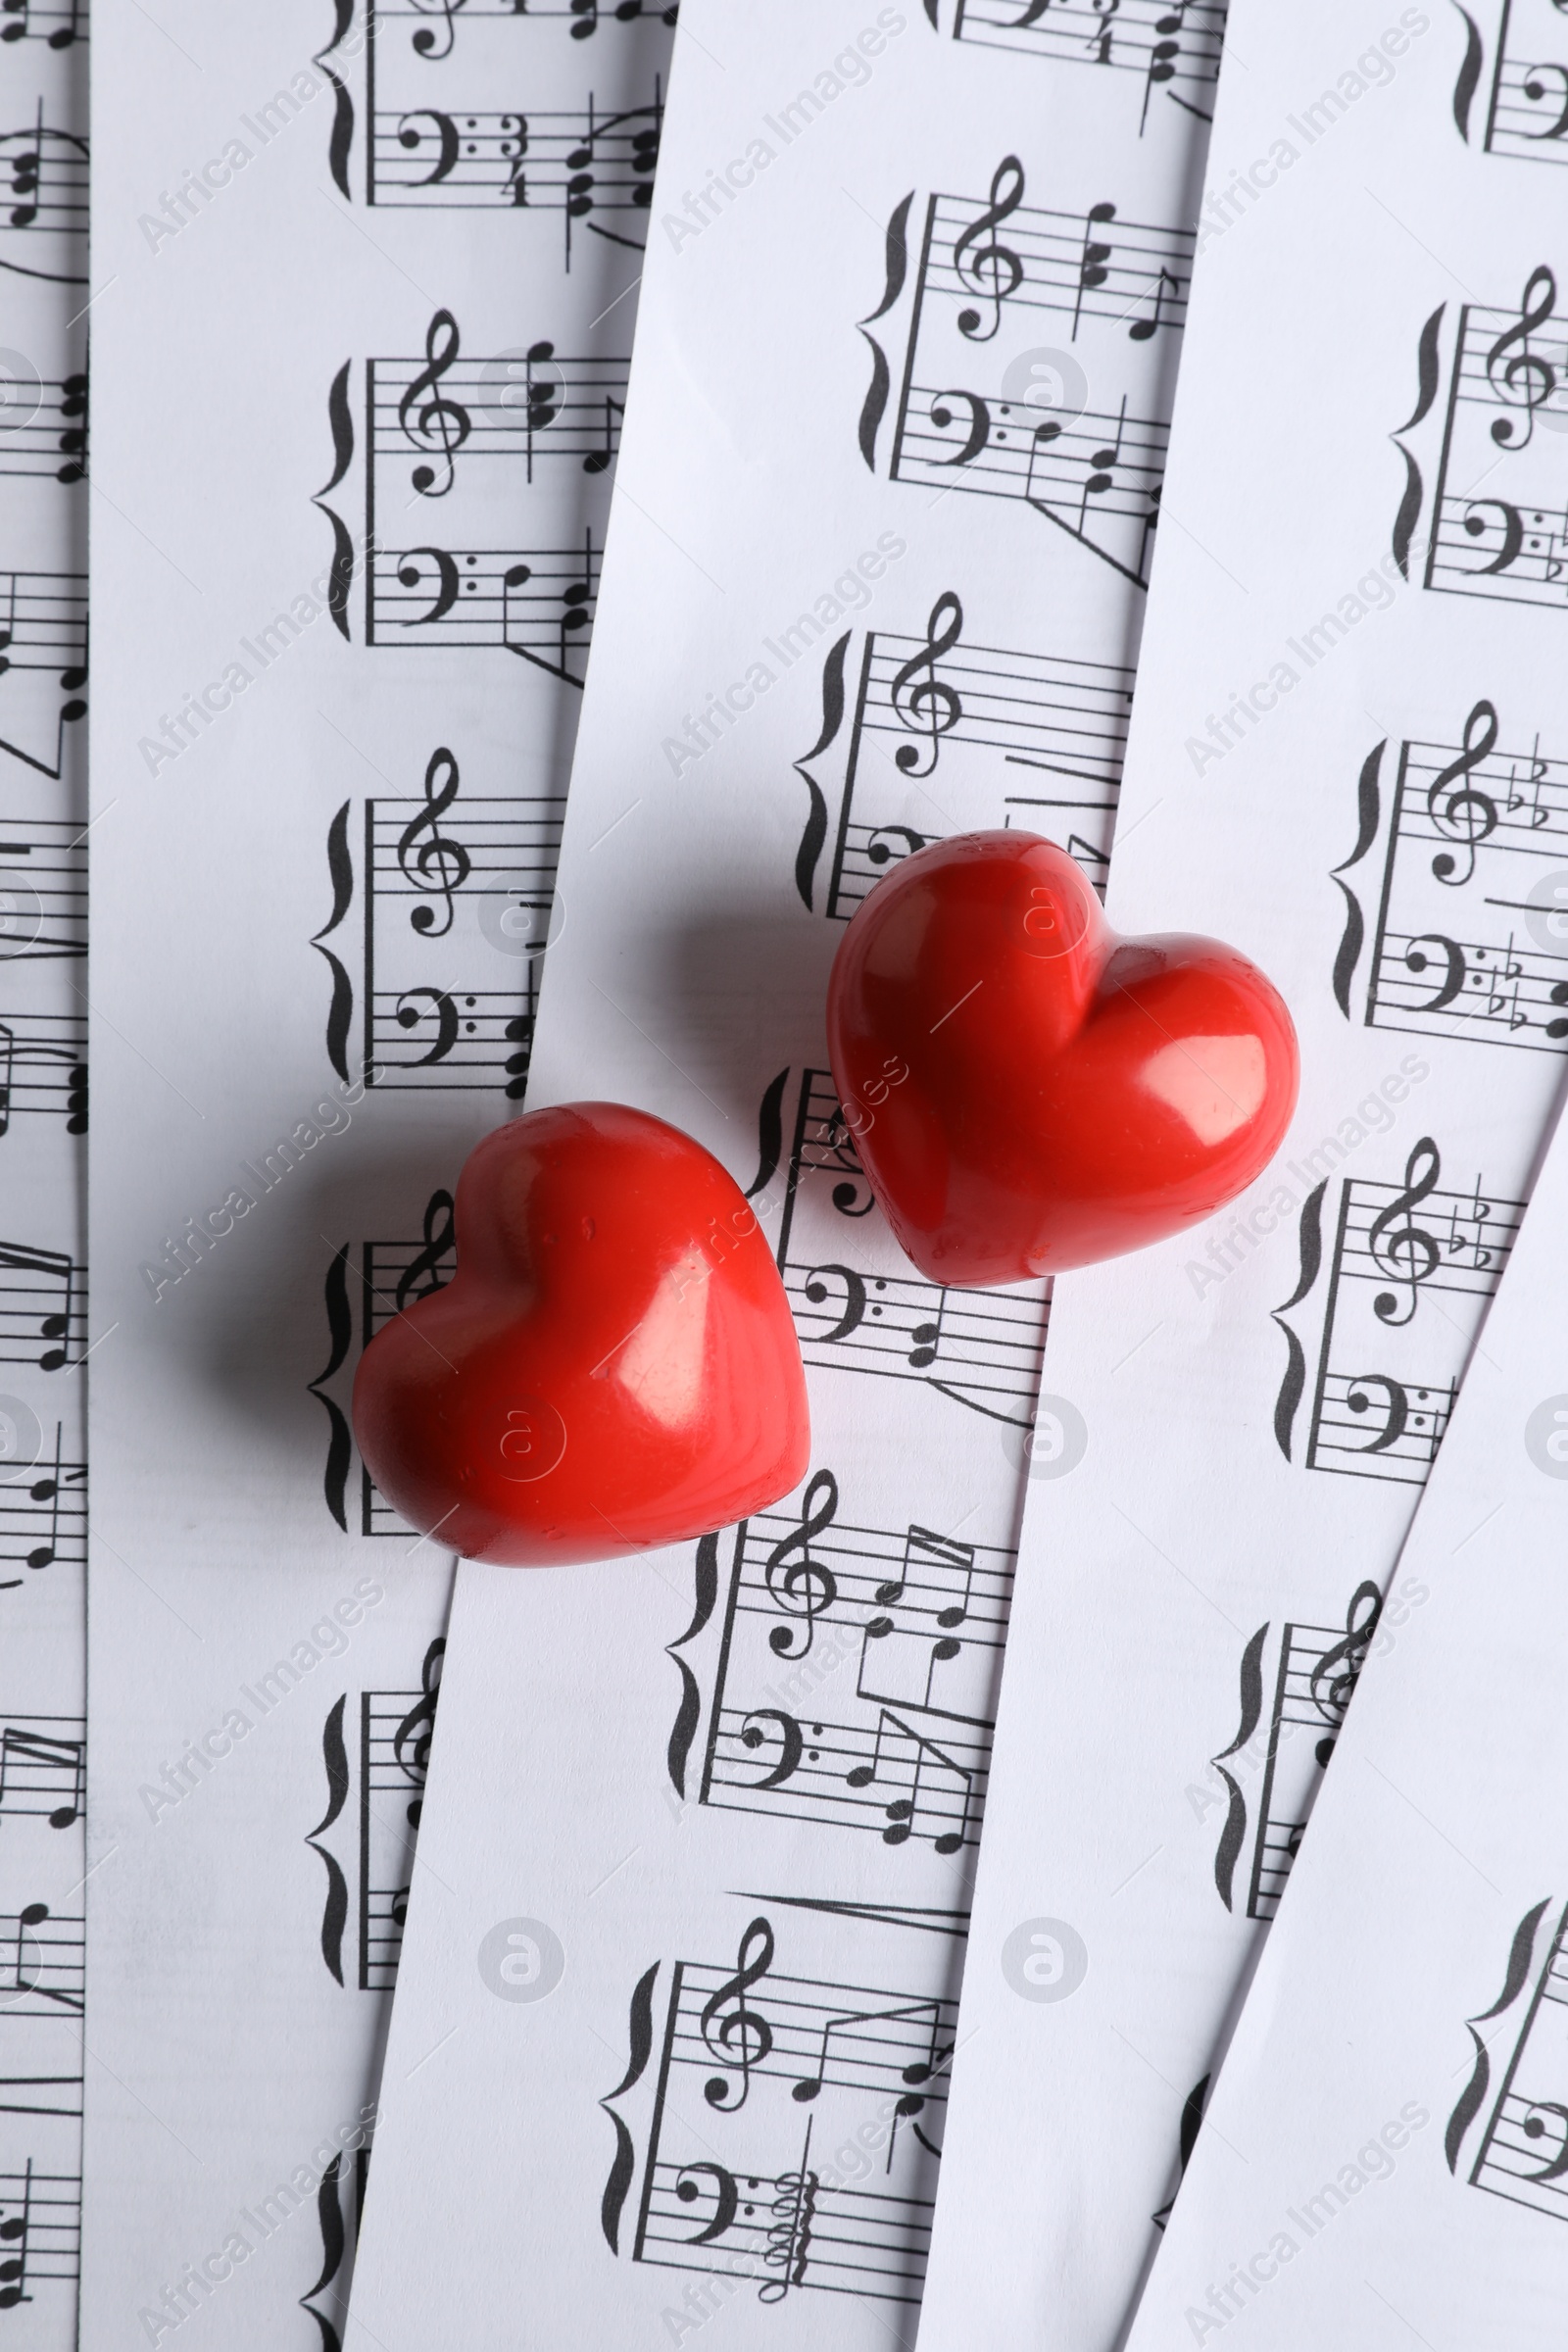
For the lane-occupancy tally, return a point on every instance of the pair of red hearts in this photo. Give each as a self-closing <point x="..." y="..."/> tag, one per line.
<point x="614" y="1365"/>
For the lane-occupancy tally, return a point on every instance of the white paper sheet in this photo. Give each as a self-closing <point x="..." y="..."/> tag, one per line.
<point x="363" y="282"/>
<point x="700" y="1827"/>
<point x="43" y="1117"/>
<point x="1349" y="756"/>
<point x="1386" y="2143"/>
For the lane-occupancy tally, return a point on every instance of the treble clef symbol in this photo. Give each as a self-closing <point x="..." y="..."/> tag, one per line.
<point x="1469" y="816"/>
<point x="440" y="865"/>
<point x="737" y="2037"/>
<point x="426" y="41"/>
<point x="440" y="1237"/>
<point x="411" y="1741"/>
<point x="1409" y="1253"/>
<point x="1340" y="1666"/>
<point x="803" y="1586"/>
<point x="930" y="707"/>
<point x="438" y="422"/>
<point x="994" y="271"/>
<point x="1527" y="367"/>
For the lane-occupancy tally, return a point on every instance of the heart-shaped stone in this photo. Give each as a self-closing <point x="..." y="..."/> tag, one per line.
<point x="1030" y="1092"/>
<point x="611" y="1367"/>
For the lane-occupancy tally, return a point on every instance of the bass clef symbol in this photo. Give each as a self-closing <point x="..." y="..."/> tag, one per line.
<point x="439" y="865"/>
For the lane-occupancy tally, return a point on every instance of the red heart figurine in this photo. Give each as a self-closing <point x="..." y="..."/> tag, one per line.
<point x="611" y="1367"/>
<point x="1028" y="1091"/>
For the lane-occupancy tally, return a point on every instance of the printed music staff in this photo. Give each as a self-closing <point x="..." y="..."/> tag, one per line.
<point x="453" y="914"/>
<point x="922" y="1615"/>
<point x="395" y="1732"/>
<point x="40" y="2232"/>
<point x="981" y="1349"/>
<point x="1499" y="517"/>
<point x="781" y="2065"/>
<point x="436" y="21"/>
<point x="43" y="1513"/>
<point x="43" y="1963"/>
<point x="1041" y="737"/>
<point x="993" y="279"/>
<point x="43" y="1070"/>
<point x="43" y="1311"/>
<point x="577" y="163"/>
<point x="47" y="433"/>
<point x="60" y="23"/>
<point x="1471" y="937"/>
<point x="44" y="1771"/>
<point x="1174" y="45"/>
<point x="1524" y="112"/>
<point x="1313" y="1670"/>
<point x="1387" y="1372"/>
<point x="43" y="202"/>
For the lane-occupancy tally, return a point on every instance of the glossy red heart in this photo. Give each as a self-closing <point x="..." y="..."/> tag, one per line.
<point x="611" y="1367"/>
<point x="1029" y="1092"/>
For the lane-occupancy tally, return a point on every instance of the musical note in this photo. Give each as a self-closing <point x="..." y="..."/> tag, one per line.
<point x="925" y="702"/>
<point x="22" y="1325"/>
<point x="1141" y="330"/>
<point x="37" y="1767"/>
<point x="1093" y="258"/>
<point x="929" y="1762"/>
<point x="995" y="272"/>
<point x="803" y="1587"/>
<point x="441" y="865"/>
<point x="736" y="2035"/>
<point x="1407" y="1250"/>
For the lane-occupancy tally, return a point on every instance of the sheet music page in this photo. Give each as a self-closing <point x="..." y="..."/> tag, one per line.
<point x="1389" y="2135"/>
<point x="365" y="283"/>
<point x="700" y="1827"/>
<point x="43" y="1119"/>
<point x="1349" y="757"/>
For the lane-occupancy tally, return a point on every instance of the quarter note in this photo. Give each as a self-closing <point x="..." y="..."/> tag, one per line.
<point x="1093" y="262"/>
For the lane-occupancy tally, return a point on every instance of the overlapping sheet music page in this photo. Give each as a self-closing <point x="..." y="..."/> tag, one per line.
<point x="1349" y="757"/>
<point x="364" y="292"/>
<point x="43" y="1119"/>
<point x="702" y="1826"/>
<point x="1389" y="2135"/>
